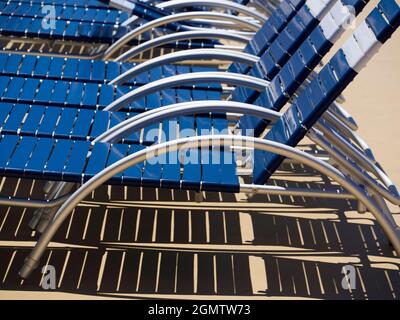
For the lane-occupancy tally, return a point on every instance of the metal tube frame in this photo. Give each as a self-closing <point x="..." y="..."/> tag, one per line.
<point x="357" y="155"/>
<point x="350" y="166"/>
<point x="188" y="78"/>
<point x="174" y="37"/>
<point x="174" y="18"/>
<point x="219" y="54"/>
<point x="385" y="221"/>
<point x="223" y="4"/>
<point x="341" y="127"/>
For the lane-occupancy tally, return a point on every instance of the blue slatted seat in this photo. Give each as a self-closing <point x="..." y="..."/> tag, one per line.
<point x="85" y="124"/>
<point x="89" y="95"/>
<point x="67" y="160"/>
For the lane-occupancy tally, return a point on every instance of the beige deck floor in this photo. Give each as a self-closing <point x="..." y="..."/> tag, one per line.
<point x="225" y="247"/>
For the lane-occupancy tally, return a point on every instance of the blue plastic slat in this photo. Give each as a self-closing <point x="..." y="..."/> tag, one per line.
<point x="191" y="169"/>
<point x="204" y="126"/>
<point x="287" y="79"/>
<point x="77" y="14"/>
<point x="151" y="133"/>
<point x="45" y="89"/>
<point x="31" y="123"/>
<point x="14" y="88"/>
<point x="97" y="160"/>
<point x="3" y="60"/>
<point x="379" y="26"/>
<point x="75" y="93"/>
<point x="169" y="97"/>
<point x="391" y="10"/>
<point x="98" y="70"/>
<point x="65" y="124"/>
<point x="56" y="67"/>
<point x="4" y="81"/>
<point x="106" y="95"/>
<point x="49" y="120"/>
<point x="84" y="69"/>
<point x="90" y="94"/>
<point x="112" y="70"/>
<point x="70" y="69"/>
<point x="214" y="95"/>
<point x="12" y="64"/>
<point x="82" y="123"/>
<point x="77" y="159"/>
<point x="56" y="162"/>
<point x="186" y="127"/>
<point x="5" y="109"/>
<point x="42" y="66"/>
<point x="59" y="94"/>
<point x="220" y="126"/>
<point x="171" y="171"/>
<point x="27" y="65"/>
<point x="15" y="118"/>
<point x="210" y="168"/>
<point x="321" y="44"/>
<point x="153" y="101"/>
<point x="199" y="95"/>
<point x="21" y="154"/>
<point x="7" y="146"/>
<point x="100" y="123"/>
<point x="39" y="156"/>
<point x="61" y="27"/>
<point x="28" y="91"/>
<point x="133" y="174"/>
<point x="156" y="74"/>
<point x="169" y="130"/>
<point x="117" y="152"/>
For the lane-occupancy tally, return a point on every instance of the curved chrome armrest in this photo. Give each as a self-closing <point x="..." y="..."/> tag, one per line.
<point x="219" y="54"/>
<point x="174" y="18"/>
<point x="223" y="4"/>
<point x="190" y="78"/>
<point x="143" y="120"/>
<point x="186" y="35"/>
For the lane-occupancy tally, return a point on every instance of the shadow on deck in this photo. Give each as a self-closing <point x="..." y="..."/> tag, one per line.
<point x="226" y="246"/>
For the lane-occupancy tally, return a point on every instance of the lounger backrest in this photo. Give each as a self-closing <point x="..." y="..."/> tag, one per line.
<point x="308" y="107"/>
<point x="299" y="66"/>
<point x="286" y="43"/>
<point x="269" y="31"/>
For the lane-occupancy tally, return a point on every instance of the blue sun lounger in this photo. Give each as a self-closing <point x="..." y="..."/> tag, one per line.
<point x="276" y="145"/>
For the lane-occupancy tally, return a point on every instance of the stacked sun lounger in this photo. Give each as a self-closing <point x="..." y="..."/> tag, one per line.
<point x="223" y="77"/>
